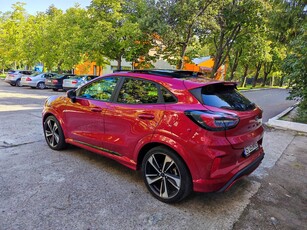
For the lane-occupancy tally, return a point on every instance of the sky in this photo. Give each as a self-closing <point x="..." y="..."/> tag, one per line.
<point x="32" y="6"/>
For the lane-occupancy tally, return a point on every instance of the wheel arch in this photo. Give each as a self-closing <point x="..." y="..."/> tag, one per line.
<point x="142" y="152"/>
<point x="48" y="114"/>
<point x="40" y="82"/>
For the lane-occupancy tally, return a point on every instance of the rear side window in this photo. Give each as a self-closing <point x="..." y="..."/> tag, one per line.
<point x="168" y="97"/>
<point x="223" y="96"/>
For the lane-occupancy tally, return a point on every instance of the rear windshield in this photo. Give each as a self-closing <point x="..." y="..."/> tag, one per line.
<point x="35" y="74"/>
<point x="75" y="77"/>
<point x="223" y="96"/>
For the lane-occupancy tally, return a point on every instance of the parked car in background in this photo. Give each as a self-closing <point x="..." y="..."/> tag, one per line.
<point x="56" y="82"/>
<point x="185" y="134"/>
<point x="73" y="82"/>
<point x="36" y="80"/>
<point x="13" y="77"/>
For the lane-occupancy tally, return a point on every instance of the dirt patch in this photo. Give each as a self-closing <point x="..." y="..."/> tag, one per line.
<point x="281" y="202"/>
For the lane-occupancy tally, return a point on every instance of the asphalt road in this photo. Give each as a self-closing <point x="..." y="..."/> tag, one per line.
<point x="272" y="101"/>
<point x="76" y="189"/>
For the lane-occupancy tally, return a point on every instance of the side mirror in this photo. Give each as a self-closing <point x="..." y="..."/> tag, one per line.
<point x="72" y="95"/>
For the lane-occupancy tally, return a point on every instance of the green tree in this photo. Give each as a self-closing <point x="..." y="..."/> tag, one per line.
<point x="61" y="37"/>
<point x="116" y="33"/>
<point x="11" y="38"/>
<point x="177" y="23"/>
<point x="295" y="67"/>
<point x="234" y="19"/>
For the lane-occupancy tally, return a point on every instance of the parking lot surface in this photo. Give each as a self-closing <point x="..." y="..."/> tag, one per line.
<point x="76" y="189"/>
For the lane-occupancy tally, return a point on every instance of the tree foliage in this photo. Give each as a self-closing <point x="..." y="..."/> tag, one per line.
<point x="176" y="23"/>
<point x="256" y="39"/>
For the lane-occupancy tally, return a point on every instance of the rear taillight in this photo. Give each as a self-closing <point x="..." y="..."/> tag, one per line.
<point x="54" y="81"/>
<point x="74" y="82"/>
<point x="28" y="79"/>
<point x="213" y="121"/>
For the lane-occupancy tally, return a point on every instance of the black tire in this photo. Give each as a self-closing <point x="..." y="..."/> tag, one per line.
<point x="55" y="89"/>
<point x="18" y="83"/>
<point x="41" y="85"/>
<point x="165" y="175"/>
<point x="54" y="135"/>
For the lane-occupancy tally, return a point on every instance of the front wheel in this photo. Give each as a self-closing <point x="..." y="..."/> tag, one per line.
<point x="54" y="134"/>
<point x="165" y="175"/>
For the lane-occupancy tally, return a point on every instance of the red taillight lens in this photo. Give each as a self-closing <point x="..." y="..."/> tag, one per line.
<point x="54" y="81"/>
<point x="213" y="121"/>
<point x="74" y="82"/>
<point x="28" y="79"/>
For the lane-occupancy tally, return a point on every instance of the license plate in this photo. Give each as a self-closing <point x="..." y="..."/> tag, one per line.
<point x="249" y="149"/>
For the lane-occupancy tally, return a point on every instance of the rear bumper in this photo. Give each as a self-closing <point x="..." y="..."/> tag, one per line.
<point x="10" y="81"/>
<point x="224" y="183"/>
<point x="23" y="83"/>
<point x="244" y="172"/>
<point x="54" y="86"/>
<point x="68" y="88"/>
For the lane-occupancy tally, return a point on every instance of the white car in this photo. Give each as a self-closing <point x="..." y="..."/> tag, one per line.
<point x="73" y="82"/>
<point x="36" y="80"/>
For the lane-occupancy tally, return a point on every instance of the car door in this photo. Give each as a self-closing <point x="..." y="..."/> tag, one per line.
<point x="85" y="116"/>
<point x="133" y="117"/>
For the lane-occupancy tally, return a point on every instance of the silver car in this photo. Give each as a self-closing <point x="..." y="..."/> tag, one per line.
<point x="73" y="82"/>
<point x="13" y="77"/>
<point x="36" y="80"/>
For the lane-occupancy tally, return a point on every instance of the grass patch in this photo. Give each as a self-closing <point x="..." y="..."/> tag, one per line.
<point x="2" y="76"/>
<point x="296" y="115"/>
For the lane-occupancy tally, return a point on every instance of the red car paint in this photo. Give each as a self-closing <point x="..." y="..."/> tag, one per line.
<point x="124" y="131"/>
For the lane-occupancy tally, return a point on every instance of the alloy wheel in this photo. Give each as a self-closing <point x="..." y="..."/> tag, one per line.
<point x="162" y="175"/>
<point x="52" y="133"/>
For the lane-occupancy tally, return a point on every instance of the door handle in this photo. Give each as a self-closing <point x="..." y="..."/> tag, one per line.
<point x="146" y="116"/>
<point x="96" y="109"/>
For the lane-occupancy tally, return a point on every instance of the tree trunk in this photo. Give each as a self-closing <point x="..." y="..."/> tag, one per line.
<point x="218" y="56"/>
<point x="265" y="77"/>
<point x="244" y="76"/>
<point x="234" y="67"/>
<point x="273" y="81"/>
<point x="119" y="63"/>
<point x="281" y="81"/>
<point x="267" y="67"/>
<point x="183" y="51"/>
<point x="258" y="67"/>
<point x="59" y="66"/>
<point x="223" y="45"/>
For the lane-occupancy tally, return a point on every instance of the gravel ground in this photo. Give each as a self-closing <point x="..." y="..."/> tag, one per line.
<point x="281" y="202"/>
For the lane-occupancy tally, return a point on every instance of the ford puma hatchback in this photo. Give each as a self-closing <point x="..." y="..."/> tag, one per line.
<point x="182" y="131"/>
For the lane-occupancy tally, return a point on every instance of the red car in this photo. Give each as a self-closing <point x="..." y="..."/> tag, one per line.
<point x="184" y="132"/>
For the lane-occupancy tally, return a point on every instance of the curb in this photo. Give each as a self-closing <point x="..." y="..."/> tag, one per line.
<point x="288" y="125"/>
